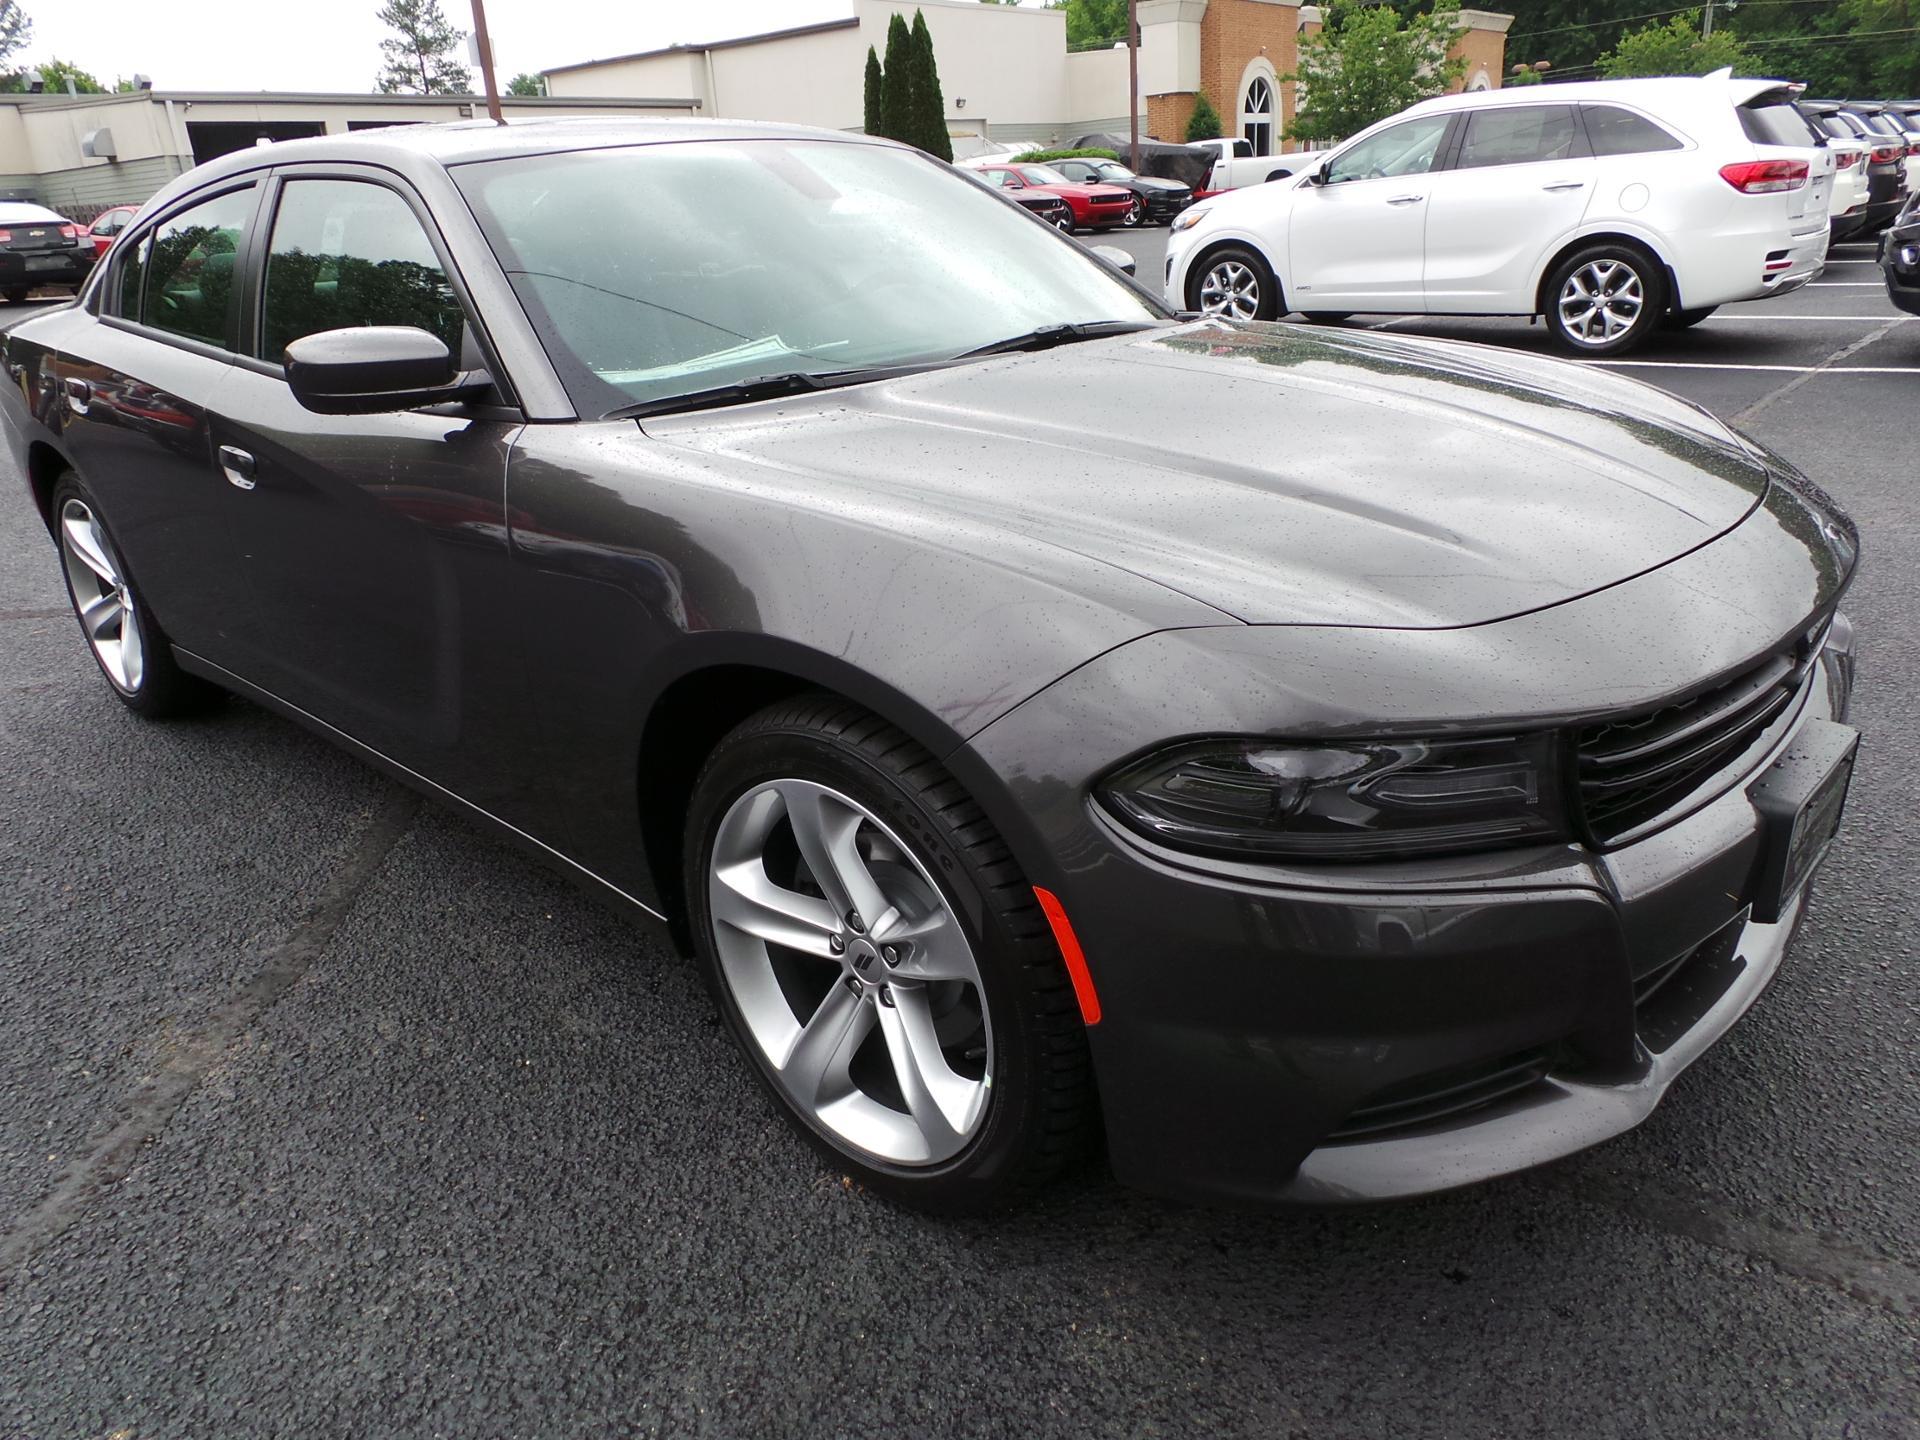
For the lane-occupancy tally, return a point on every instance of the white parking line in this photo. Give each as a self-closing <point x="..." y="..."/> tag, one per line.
<point x="1853" y="284"/>
<point x="1856" y="319"/>
<point x="1808" y="370"/>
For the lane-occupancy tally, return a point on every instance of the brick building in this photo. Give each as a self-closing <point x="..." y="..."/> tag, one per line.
<point x="1234" y="51"/>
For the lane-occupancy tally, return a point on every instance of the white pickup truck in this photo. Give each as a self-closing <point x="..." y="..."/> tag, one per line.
<point x="1235" y="165"/>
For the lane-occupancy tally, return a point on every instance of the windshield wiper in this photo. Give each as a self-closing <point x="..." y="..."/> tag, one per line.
<point x="761" y="387"/>
<point x="1048" y="336"/>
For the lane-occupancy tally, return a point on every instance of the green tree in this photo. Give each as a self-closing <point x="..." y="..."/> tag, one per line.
<point x="15" y="28"/>
<point x="1886" y="51"/>
<point x="422" y="58"/>
<point x="55" y="73"/>
<point x="873" y="108"/>
<point x="1204" y="123"/>
<point x="527" y="84"/>
<point x="1675" y="47"/>
<point x="930" y="106"/>
<point x="1368" y="63"/>
<point x="896" y="82"/>
<point x="1096" y="22"/>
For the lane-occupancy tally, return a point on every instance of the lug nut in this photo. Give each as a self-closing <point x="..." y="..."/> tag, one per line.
<point x="890" y="954"/>
<point x="837" y="944"/>
<point x="854" y="922"/>
<point x="886" y="996"/>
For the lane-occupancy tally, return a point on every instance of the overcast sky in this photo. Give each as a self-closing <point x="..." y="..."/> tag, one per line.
<point x="334" y="44"/>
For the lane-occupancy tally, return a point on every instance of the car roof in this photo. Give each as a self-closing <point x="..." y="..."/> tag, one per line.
<point x="1653" y="94"/>
<point x="411" y="148"/>
<point x="25" y="210"/>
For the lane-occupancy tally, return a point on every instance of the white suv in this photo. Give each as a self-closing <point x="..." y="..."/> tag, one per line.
<point x="1611" y="208"/>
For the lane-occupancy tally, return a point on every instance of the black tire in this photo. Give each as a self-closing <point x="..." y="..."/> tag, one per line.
<point x="1041" y="1104"/>
<point x="1626" y="272"/>
<point x="1687" y="319"/>
<point x="17" y="296"/>
<point x="1327" y="317"/>
<point x="1065" y="223"/>
<point x="162" y="690"/>
<point x="1269" y="303"/>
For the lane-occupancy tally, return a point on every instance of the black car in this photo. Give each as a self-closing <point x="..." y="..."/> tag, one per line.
<point x="1049" y="207"/>
<point x="1900" y="258"/>
<point x="1886" y="162"/>
<point x="1155" y="201"/>
<point x="38" y="247"/>
<point x="1339" y="765"/>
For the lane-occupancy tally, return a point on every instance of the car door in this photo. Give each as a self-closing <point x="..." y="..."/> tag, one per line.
<point x="374" y="545"/>
<point x="1520" y="181"/>
<point x="136" y="421"/>
<point x="1358" y="241"/>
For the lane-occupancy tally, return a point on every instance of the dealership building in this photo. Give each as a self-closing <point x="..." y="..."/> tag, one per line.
<point x="1007" y="73"/>
<point x="81" y="154"/>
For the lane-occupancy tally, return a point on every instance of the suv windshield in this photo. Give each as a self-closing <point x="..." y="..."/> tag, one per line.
<point x="662" y="270"/>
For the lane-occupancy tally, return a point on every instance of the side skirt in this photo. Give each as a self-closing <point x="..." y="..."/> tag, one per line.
<point x="487" y="820"/>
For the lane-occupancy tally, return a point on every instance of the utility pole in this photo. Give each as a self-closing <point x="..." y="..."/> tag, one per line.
<point x="1706" y="21"/>
<point x="1133" y="81"/>
<point x="486" y="61"/>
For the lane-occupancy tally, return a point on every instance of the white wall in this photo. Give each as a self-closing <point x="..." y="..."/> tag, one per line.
<point x="673" y="73"/>
<point x="1009" y="63"/>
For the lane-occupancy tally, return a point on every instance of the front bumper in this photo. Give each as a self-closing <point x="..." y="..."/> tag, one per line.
<point x="1165" y="204"/>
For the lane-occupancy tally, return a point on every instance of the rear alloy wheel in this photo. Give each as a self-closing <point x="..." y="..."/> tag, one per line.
<point x="1235" y="285"/>
<point x="126" y="643"/>
<point x="1136" y="212"/>
<point x="878" y="955"/>
<point x="1604" y="300"/>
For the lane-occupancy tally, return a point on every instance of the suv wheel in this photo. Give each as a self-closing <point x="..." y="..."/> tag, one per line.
<point x="879" y="956"/>
<point x="1236" y="285"/>
<point x="1605" y="300"/>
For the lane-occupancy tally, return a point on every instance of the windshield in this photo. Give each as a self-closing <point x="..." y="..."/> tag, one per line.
<point x="1043" y="175"/>
<point x="1112" y="170"/>
<point x="661" y="270"/>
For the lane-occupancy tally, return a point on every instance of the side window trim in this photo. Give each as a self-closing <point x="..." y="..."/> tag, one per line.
<point x="253" y="304"/>
<point x="243" y="263"/>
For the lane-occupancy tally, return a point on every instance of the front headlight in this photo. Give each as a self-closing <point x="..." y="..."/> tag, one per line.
<point x="1358" y="800"/>
<point x="1188" y="218"/>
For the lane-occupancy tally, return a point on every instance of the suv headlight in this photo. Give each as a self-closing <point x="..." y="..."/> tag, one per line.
<point x="1188" y="218"/>
<point x="1355" y="800"/>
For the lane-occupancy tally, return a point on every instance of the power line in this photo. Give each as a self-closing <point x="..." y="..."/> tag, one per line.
<point x="1652" y="15"/>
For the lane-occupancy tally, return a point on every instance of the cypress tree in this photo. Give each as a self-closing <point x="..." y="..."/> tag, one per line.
<point x="896" y="86"/>
<point x="929" y="103"/>
<point x="873" y="120"/>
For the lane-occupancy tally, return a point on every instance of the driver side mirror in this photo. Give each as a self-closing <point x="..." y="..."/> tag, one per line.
<point x="1115" y="256"/>
<point x="375" y="369"/>
<point x="1321" y="174"/>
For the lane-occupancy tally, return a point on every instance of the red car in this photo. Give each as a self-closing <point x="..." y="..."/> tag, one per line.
<point x="109" y="223"/>
<point x="1095" y="207"/>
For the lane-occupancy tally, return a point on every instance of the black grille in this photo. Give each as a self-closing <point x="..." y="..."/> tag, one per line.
<point x="1435" y="1097"/>
<point x="1634" y="770"/>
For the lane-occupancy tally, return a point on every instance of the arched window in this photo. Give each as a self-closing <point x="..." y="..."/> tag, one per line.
<point x="1256" y="114"/>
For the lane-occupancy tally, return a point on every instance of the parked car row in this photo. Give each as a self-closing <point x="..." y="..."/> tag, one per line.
<point x="1889" y="165"/>
<point x="1610" y="208"/>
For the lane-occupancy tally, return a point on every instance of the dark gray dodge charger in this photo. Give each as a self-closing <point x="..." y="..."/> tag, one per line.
<point x="1333" y="766"/>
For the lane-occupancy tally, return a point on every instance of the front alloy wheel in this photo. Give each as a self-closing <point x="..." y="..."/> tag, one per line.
<point x="851" y="973"/>
<point x="1136" y="212"/>
<point x="875" y="949"/>
<point x="1236" y="285"/>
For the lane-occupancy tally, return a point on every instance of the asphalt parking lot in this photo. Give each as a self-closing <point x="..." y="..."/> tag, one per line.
<point x="326" y="1115"/>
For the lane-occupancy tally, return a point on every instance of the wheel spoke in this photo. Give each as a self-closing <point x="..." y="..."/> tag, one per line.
<point x="815" y="1067"/>
<point x="827" y="833"/>
<point x="101" y="615"/>
<point x="749" y="902"/>
<point x="84" y="541"/>
<point x="940" y="1101"/>
<point x="133" y="650"/>
<point x="935" y="948"/>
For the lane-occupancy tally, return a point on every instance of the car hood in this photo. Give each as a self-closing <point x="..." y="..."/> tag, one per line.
<point x="1278" y="474"/>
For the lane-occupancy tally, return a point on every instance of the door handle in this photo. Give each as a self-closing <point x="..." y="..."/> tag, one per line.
<point x="1566" y="185"/>
<point x="79" y="392"/>
<point x="237" y="466"/>
<point x="1405" y="199"/>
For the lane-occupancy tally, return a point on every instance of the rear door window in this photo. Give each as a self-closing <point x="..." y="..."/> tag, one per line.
<point x="1614" y="131"/>
<point x="192" y="286"/>
<point x="1520" y="135"/>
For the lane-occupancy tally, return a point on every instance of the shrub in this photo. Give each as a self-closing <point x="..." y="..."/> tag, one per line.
<point x="1041" y="157"/>
<point x="1204" y="123"/>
